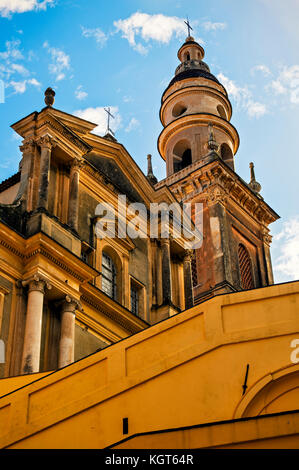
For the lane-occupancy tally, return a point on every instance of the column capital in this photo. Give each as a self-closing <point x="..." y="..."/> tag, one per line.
<point x="165" y="241"/>
<point x="188" y="256"/>
<point x="267" y="238"/>
<point x="37" y="283"/>
<point x="77" y="163"/>
<point x="46" y="141"/>
<point x="70" y="304"/>
<point x="27" y="146"/>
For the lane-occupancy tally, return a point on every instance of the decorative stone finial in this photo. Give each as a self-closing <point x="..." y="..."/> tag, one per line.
<point x="49" y="96"/>
<point x="255" y="186"/>
<point x="150" y="175"/>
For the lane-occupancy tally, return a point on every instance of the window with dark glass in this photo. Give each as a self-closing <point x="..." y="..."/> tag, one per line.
<point x="108" y="276"/>
<point x="134" y="299"/>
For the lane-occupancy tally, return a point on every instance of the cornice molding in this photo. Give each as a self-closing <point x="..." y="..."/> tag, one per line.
<point x="63" y="130"/>
<point x="117" y="316"/>
<point x="218" y="184"/>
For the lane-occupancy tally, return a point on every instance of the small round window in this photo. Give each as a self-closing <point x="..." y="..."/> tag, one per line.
<point x="179" y="109"/>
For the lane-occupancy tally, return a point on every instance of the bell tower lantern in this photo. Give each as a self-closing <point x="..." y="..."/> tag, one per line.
<point x="193" y="101"/>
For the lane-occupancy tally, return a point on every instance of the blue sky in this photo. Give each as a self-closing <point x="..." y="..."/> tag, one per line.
<point x="122" y="54"/>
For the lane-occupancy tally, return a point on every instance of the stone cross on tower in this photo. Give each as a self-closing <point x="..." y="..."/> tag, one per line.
<point x="188" y="26"/>
<point x="108" y="120"/>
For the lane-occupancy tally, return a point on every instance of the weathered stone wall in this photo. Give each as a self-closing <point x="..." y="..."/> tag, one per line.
<point x="87" y="207"/>
<point x="86" y="343"/>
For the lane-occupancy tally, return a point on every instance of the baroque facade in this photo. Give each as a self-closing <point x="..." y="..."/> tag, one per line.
<point x="210" y="312"/>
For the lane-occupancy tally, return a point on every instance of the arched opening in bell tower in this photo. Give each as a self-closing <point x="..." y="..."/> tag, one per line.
<point x="179" y="109"/>
<point x="182" y="155"/>
<point x="227" y="155"/>
<point x="221" y="111"/>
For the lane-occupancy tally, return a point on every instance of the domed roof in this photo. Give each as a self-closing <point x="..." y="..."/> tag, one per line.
<point x="191" y="73"/>
<point x="191" y="67"/>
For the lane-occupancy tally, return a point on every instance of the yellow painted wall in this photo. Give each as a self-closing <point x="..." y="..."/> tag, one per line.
<point x="280" y="431"/>
<point x="186" y="370"/>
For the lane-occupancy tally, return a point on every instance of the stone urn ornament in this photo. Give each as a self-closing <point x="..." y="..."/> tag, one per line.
<point x="49" y="96"/>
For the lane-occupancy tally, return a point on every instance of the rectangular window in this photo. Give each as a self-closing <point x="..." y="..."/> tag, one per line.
<point x="137" y="298"/>
<point x="108" y="276"/>
<point x="134" y="299"/>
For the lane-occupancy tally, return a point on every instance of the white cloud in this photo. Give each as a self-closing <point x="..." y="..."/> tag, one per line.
<point x="19" y="69"/>
<point x="277" y="87"/>
<point x="60" y="61"/>
<point x="261" y="68"/>
<point x="99" y="116"/>
<point x="133" y="124"/>
<point x="10" y="68"/>
<point x="8" y="7"/>
<point x="21" y="86"/>
<point x="158" y="28"/>
<point x="256" y="109"/>
<point x="286" y="244"/>
<point x="209" y="26"/>
<point x="243" y="97"/>
<point x="95" y="33"/>
<point x="12" y="51"/>
<point x="287" y="83"/>
<point x="80" y="94"/>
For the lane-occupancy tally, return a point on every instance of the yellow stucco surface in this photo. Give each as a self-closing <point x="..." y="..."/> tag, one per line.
<point x="185" y="371"/>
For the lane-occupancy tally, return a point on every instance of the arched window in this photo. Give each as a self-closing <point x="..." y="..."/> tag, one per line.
<point x="221" y="111"/>
<point x="245" y="268"/>
<point x="227" y="155"/>
<point x="187" y="56"/>
<point x="108" y="276"/>
<point x="182" y="155"/>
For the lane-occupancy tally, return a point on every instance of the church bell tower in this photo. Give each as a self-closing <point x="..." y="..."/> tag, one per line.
<point x="199" y="143"/>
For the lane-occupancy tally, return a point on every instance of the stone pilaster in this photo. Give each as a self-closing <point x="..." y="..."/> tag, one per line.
<point x="18" y="330"/>
<point x="188" y="288"/>
<point x="33" y="328"/>
<point x="267" y="240"/>
<point x="28" y="150"/>
<point x="46" y="144"/>
<point x="73" y="206"/>
<point x="67" y="336"/>
<point x="166" y="271"/>
<point x="221" y="237"/>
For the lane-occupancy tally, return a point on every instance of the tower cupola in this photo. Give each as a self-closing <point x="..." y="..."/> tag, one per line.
<point x="193" y="101"/>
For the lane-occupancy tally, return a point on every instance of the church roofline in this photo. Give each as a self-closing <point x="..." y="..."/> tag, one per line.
<point x="202" y="165"/>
